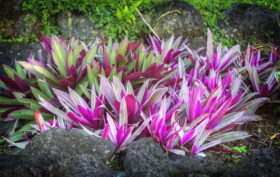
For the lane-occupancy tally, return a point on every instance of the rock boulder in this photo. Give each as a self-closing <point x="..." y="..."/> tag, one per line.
<point x="77" y="25"/>
<point x="144" y="157"/>
<point x="178" y="18"/>
<point x="246" y="21"/>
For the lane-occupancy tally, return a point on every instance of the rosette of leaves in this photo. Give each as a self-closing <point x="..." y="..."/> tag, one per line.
<point x="117" y="112"/>
<point x="170" y="50"/>
<point x="130" y="61"/>
<point x="19" y="100"/>
<point x="199" y="118"/>
<point x="65" y="64"/>
<point x="220" y="59"/>
<point x="261" y="70"/>
<point x="194" y="117"/>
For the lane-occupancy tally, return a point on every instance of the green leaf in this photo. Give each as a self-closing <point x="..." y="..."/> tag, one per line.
<point x="8" y="101"/>
<point x="37" y="93"/>
<point x="123" y="113"/>
<point x="9" y="71"/>
<point x="18" y="95"/>
<point x="147" y="62"/>
<point x="32" y="104"/>
<point x="131" y="66"/>
<point x="103" y="72"/>
<point x="129" y="88"/>
<point x="3" y="110"/>
<point x="142" y="91"/>
<point x="27" y="126"/>
<point x="17" y="136"/>
<point x="90" y="55"/>
<point x="119" y="75"/>
<point x="170" y="75"/>
<point x="93" y="98"/>
<point x="20" y="71"/>
<point x="46" y="73"/>
<point x="71" y="59"/>
<point x="119" y="14"/>
<point x="113" y="58"/>
<point x="123" y="47"/>
<point x="142" y="57"/>
<point x="113" y="73"/>
<point x="58" y="51"/>
<point x="83" y="83"/>
<point x="84" y="90"/>
<point x="90" y="74"/>
<point x="45" y="88"/>
<point x="3" y="85"/>
<point x="29" y="115"/>
<point x="77" y="51"/>
<point x="96" y="84"/>
<point x="60" y="64"/>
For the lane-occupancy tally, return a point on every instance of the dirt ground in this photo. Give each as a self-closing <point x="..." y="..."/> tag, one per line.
<point x="260" y="132"/>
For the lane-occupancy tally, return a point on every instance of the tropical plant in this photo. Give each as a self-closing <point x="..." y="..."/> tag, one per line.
<point x="169" y="50"/>
<point x="65" y="65"/>
<point x="20" y="98"/>
<point x="261" y="71"/>
<point x="130" y="61"/>
<point x="122" y="91"/>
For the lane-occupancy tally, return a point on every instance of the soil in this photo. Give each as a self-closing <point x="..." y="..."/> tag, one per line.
<point x="260" y="132"/>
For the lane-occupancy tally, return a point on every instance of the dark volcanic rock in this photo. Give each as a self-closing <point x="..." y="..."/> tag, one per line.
<point x="11" y="51"/>
<point x="77" y="25"/>
<point x="187" y="23"/>
<point x="80" y="166"/>
<point x="196" y="165"/>
<point x="58" y="144"/>
<point x="58" y="153"/>
<point x="246" y="21"/>
<point x="22" y="165"/>
<point x="146" y="158"/>
<point x="9" y="13"/>
<point x="28" y="25"/>
<point x="76" y="166"/>
<point x="197" y="43"/>
<point x="10" y="8"/>
<point x="264" y="162"/>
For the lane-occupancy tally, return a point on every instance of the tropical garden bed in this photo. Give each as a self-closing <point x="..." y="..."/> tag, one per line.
<point x="186" y="102"/>
<point x="158" y="108"/>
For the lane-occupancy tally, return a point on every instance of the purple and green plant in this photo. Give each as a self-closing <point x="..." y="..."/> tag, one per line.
<point x="218" y="110"/>
<point x="130" y="61"/>
<point x="119" y="130"/>
<point x="259" y="71"/>
<point x="168" y="51"/>
<point x="19" y="100"/>
<point x="122" y="91"/>
<point x="220" y="60"/>
<point x="65" y="64"/>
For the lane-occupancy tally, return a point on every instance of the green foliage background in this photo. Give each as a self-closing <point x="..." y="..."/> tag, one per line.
<point x="214" y="10"/>
<point x="118" y="18"/>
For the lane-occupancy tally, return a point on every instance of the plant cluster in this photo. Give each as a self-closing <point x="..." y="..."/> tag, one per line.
<point x="186" y="102"/>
